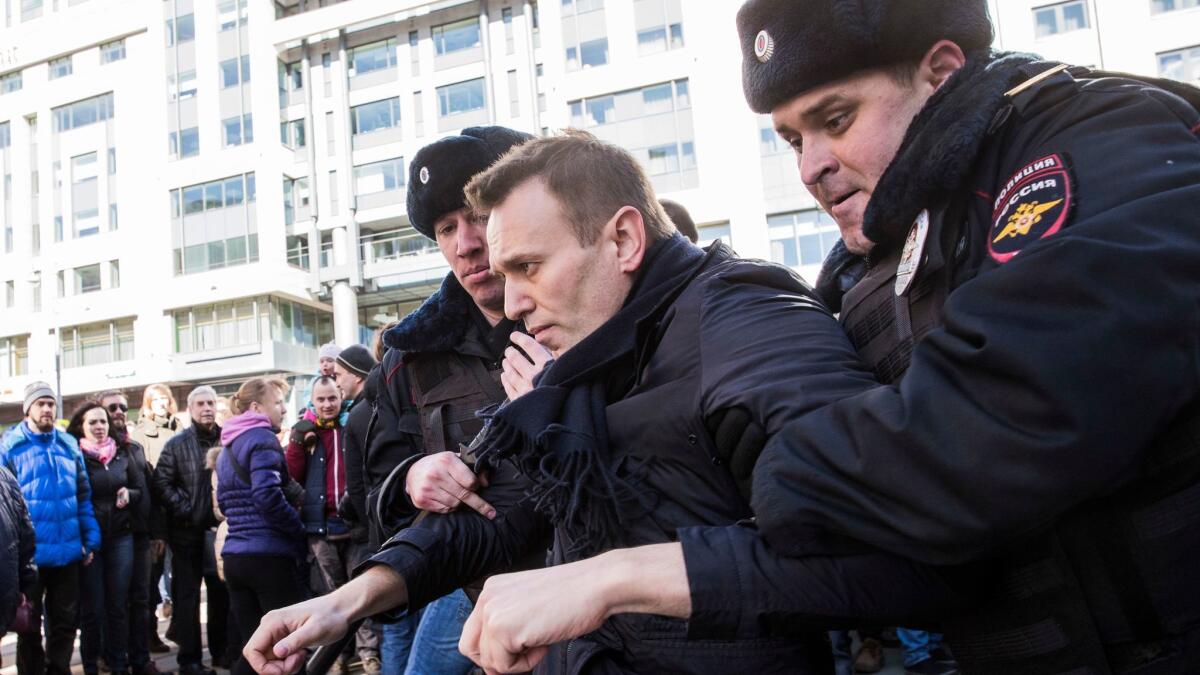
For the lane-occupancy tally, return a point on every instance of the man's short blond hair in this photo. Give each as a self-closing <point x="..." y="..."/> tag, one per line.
<point x="591" y="180"/>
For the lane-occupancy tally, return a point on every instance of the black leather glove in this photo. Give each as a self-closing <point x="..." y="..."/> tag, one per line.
<point x="738" y="439"/>
<point x="304" y="433"/>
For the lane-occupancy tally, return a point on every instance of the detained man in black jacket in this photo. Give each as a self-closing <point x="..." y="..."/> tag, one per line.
<point x="184" y="486"/>
<point x="623" y="446"/>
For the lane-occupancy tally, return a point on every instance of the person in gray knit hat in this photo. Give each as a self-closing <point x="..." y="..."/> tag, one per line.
<point x="54" y="483"/>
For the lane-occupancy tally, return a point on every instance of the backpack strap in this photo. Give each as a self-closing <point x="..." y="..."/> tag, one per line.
<point x="240" y="470"/>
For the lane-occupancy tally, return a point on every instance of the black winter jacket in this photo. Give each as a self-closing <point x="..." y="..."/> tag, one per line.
<point x="18" y="573"/>
<point x="743" y="334"/>
<point x="121" y="472"/>
<point x="184" y="485"/>
<point x="353" y="509"/>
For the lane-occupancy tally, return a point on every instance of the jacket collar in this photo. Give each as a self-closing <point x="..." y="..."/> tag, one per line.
<point x="439" y="324"/>
<point x="941" y="145"/>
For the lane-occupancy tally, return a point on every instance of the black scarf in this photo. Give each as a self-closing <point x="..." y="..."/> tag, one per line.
<point x="935" y="159"/>
<point x="558" y="433"/>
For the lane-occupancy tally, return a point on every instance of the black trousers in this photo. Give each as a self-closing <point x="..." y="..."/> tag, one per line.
<point x="57" y="594"/>
<point x="257" y="585"/>
<point x="187" y="571"/>
<point x="140" y="609"/>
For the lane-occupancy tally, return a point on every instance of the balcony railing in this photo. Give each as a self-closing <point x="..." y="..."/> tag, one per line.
<point x="397" y="244"/>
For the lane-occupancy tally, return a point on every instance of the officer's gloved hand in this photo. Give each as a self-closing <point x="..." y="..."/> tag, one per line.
<point x="304" y="433"/>
<point x="738" y="440"/>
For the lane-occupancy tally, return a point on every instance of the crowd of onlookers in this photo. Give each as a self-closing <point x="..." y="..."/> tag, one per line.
<point x="107" y="523"/>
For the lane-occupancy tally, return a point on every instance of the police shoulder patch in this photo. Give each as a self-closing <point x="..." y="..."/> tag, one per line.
<point x="1032" y="205"/>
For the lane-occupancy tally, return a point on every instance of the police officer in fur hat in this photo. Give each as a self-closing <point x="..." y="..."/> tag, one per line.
<point x="1016" y="234"/>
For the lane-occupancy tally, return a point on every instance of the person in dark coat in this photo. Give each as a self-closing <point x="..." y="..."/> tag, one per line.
<point x="354" y="364"/>
<point x="157" y="423"/>
<point x="1012" y="231"/>
<point x="118" y="487"/>
<point x="18" y="572"/>
<point x="141" y="611"/>
<point x="266" y="538"/>
<point x="660" y="349"/>
<point x="184" y="487"/>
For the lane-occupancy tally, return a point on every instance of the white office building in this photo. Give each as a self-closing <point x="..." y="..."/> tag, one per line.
<point x="202" y="191"/>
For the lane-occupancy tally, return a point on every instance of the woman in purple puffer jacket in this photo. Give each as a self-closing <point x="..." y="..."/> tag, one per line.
<point x="266" y="538"/>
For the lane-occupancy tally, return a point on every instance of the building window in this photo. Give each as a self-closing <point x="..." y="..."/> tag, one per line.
<point x="96" y="344"/>
<point x="1160" y="6"/>
<point x="10" y="294"/>
<point x="82" y="113"/>
<point x="535" y="25"/>
<point x="297" y="251"/>
<point x="587" y="54"/>
<point x="181" y="86"/>
<point x="1061" y="18"/>
<point x="14" y="356"/>
<point x="112" y="161"/>
<point x="506" y="16"/>
<point x="455" y="99"/>
<point x="213" y="224"/>
<point x="181" y="29"/>
<point x="1181" y="64"/>
<point x="707" y="234"/>
<point x="292" y="134"/>
<point x="653" y="123"/>
<point x="185" y="143"/>
<point x="375" y="116"/>
<point x="291" y="78"/>
<point x="60" y="67"/>
<point x="295" y="196"/>
<point x="10" y="83"/>
<point x="87" y="279"/>
<point x="769" y="140"/>
<point x="238" y="130"/>
<point x="379" y="176"/>
<point x="5" y="135"/>
<point x="114" y="274"/>
<point x="659" y="25"/>
<point x="371" y="57"/>
<point x="235" y="71"/>
<point x="585" y="35"/>
<point x="112" y="51"/>
<point x="250" y="321"/>
<point x="414" y="53"/>
<point x="230" y="14"/>
<point x="801" y="238"/>
<point x="457" y="36"/>
<point x="85" y="195"/>
<point x="30" y="9"/>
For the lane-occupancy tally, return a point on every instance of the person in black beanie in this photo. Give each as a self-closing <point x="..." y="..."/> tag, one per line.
<point x="442" y="365"/>
<point x="1011" y="228"/>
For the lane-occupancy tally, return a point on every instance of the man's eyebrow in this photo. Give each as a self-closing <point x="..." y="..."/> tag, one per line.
<point x="817" y="110"/>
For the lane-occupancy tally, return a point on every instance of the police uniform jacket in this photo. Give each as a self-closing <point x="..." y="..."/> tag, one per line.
<point x="1042" y="370"/>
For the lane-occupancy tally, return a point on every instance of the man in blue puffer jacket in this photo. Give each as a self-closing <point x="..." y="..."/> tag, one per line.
<point x="54" y="482"/>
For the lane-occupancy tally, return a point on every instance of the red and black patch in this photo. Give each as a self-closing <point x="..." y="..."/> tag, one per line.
<point x="1033" y="205"/>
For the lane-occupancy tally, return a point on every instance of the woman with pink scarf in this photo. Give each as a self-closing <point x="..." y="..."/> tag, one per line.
<point x="116" y="485"/>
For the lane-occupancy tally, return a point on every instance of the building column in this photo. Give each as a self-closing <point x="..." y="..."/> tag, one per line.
<point x="345" y="314"/>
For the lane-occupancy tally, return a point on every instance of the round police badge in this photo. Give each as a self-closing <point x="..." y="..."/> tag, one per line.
<point x="910" y="257"/>
<point x="1033" y="205"/>
<point x="764" y="46"/>
<point x="424" y="175"/>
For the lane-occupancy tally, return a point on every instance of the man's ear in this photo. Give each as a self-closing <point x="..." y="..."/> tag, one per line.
<point x="628" y="232"/>
<point x="942" y="60"/>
